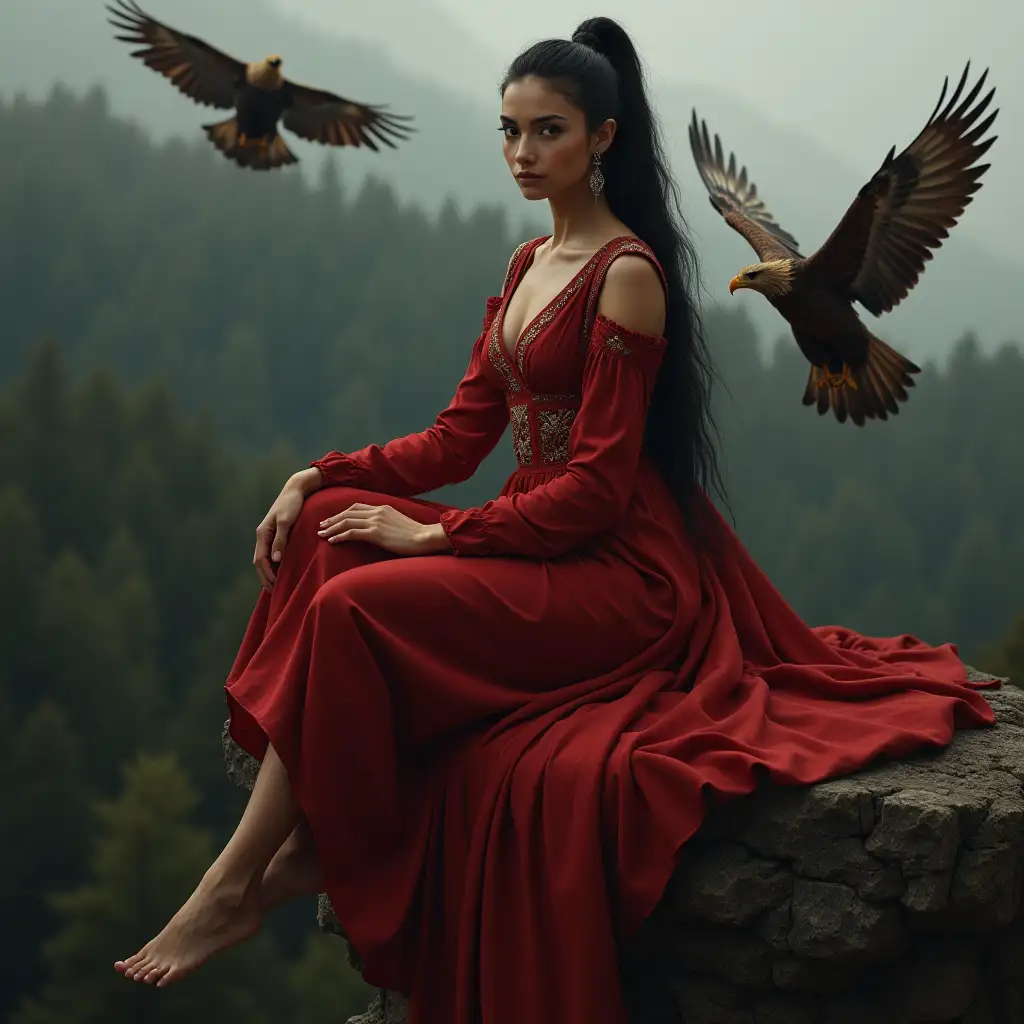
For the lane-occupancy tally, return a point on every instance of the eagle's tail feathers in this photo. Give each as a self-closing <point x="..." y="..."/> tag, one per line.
<point x="256" y="154"/>
<point x="872" y="390"/>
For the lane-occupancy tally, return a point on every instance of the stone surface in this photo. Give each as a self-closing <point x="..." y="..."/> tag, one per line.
<point x="893" y="894"/>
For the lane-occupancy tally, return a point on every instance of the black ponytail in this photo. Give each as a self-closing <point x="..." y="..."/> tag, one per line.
<point x="599" y="72"/>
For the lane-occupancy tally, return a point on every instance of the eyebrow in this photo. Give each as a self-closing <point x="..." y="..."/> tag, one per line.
<point x="544" y="118"/>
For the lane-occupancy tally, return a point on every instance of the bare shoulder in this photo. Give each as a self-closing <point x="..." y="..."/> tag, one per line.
<point x="632" y="295"/>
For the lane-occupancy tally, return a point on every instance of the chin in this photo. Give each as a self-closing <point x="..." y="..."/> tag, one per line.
<point x="533" y="189"/>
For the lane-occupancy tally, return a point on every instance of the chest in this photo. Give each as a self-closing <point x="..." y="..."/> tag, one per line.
<point x="259" y="109"/>
<point x="544" y="359"/>
<point x="818" y="312"/>
<point x="539" y="289"/>
<point x="536" y="343"/>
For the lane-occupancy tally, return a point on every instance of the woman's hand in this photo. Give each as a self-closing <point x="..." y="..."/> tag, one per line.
<point x="388" y="529"/>
<point x="272" y="533"/>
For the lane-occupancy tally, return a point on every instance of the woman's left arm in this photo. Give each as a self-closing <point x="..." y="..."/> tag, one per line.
<point x="625" y="351"/>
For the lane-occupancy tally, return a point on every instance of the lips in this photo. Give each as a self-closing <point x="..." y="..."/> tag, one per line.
<point x="526" y="176"/>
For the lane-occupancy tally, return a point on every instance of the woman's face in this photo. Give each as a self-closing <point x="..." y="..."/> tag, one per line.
<point x="546" y="143"/>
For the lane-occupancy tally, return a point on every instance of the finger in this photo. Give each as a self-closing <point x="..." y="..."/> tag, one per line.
<point x="365" y="533"/>
<point x="358" y="509"/>
<point x="339" y="527"/>
<point x="265" y="574"/>
<point x="261" y="556"/>
<point x="345" y="520"/>
<point x="280" y="539"/>
<point x="262" y="565"/>
<point x="353" y="513"/>
<point x="263" y="532"/>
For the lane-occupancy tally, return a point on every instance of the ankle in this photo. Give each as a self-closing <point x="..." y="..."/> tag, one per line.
<point x="232" y="886"/>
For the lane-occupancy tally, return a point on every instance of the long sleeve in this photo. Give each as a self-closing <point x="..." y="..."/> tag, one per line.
<point x="448" y="452"/>
<point x="604" y="451"/>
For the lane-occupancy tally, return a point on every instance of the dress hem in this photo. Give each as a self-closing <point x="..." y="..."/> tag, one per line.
<point x="251" y="728"/>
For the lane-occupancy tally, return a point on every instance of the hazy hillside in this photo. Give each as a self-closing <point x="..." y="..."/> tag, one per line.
<point x="450" y="154"/>
<point x="456" y="153"/>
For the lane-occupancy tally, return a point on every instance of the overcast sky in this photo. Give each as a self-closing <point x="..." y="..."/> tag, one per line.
<point x="858" y="76"/>
<point x="854" y="71"/>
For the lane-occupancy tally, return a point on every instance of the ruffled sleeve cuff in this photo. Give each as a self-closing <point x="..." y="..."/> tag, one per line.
<point x="339" y="469"/>
<point x="466" y="530"/>
<point x="642" y="350"/>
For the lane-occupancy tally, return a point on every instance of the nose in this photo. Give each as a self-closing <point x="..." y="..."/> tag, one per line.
<point x="524" y="153"/>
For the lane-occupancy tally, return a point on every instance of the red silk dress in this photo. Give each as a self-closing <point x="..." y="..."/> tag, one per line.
<point x="501" y="751"/>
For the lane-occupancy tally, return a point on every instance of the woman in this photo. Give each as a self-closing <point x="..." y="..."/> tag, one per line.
<point x="486" y="733"/>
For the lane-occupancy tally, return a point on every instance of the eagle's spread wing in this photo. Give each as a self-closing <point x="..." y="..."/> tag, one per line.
<point x="736" y="199"/>
<point x="200" y="71"/>
<point x="878" y="250"/>
<point x="321" y="116"/>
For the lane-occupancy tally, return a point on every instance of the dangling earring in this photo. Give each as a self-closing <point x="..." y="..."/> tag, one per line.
<point x="596" y="177"/>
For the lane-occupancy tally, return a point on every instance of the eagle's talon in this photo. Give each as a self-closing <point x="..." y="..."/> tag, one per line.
<point x="836" y="381"/>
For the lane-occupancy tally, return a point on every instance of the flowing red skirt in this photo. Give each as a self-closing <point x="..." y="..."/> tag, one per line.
<point x="500" y="758"/>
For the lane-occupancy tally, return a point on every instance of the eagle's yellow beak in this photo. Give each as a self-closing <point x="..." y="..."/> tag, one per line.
<point x="738" y="282"/>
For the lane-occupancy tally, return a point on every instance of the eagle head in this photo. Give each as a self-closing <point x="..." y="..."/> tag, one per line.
<point x="771" y="278"/>
<point x="266" y="73"/>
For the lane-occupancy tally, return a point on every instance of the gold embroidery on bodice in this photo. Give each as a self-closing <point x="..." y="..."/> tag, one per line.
<point x="541" y="423"/>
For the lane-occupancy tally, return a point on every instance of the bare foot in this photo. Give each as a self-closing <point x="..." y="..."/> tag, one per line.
<point x="294" y="872"/>
<point x="215" y="917"/>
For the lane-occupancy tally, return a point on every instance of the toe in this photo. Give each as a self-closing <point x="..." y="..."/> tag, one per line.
<point x="162" y="976"/>
<point x="139" y="970"/>
<point x="154" y="966"/>
<point x="132" y="962"/>
<point x="167" y="976"/>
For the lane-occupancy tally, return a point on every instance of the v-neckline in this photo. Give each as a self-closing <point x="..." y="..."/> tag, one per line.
<point x="511" y="356"/>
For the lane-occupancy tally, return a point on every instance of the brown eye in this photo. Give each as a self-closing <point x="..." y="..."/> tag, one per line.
<point x="750" y="275"/>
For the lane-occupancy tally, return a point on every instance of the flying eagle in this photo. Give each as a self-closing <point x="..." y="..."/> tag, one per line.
<point x="259" y="94"/>
<point x="874" y="256"/>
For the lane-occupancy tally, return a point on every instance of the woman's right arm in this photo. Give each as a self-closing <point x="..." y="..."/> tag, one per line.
<point x="446" y="453"/>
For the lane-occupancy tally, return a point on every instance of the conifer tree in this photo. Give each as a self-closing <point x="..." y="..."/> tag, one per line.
<point x="146" y="862"/>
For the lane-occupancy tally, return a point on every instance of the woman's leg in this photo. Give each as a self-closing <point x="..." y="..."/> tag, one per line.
<point x="225" y="908"/>
<point x="294" y="872"/>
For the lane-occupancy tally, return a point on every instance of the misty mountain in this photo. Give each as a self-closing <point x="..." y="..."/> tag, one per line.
<point x="456" y="154"/>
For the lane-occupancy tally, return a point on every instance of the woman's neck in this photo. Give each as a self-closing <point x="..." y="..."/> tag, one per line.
<point x="579" y="221"/>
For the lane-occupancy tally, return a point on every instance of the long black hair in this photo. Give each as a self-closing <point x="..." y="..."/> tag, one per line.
<point x="599" y="72"/>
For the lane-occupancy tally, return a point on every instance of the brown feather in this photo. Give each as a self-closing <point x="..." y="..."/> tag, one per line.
<point x="320" y="116"/>
<point x="200" y="71"/>
<point x="878" y="251"/>
<point x="882" y="383"/>
<point x="736" y="199"/>
<point x="224" y="135"/>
